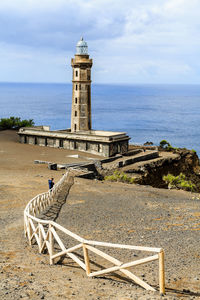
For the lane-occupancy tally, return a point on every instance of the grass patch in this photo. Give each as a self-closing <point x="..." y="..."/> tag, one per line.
<point x="120" y="177"/>
<point x="179" y="182"/>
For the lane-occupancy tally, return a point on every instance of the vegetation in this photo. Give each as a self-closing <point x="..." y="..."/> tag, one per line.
<point x="148" y="144"/>
<point x="179" y="182"/>
<point x="120" y="176"/>
<point x="15" y="123"/>
<point x="165" y="145"/>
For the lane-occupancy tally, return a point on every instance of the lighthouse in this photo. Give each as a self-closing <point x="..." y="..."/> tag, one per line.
<point x="81" y="136"/>
<point x="81" y="89"/>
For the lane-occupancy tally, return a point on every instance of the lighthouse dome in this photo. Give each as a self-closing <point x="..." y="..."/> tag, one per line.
<point x="81" y="47"/>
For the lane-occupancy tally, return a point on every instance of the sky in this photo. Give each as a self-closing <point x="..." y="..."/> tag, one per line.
<point x="130" y="42"/>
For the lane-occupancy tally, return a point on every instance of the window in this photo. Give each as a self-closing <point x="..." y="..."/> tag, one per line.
<point x="35" y="141"/>
<point x="74" y="127"/>
<point x="75" y="113"/>
<point x="76" y="87"/>
<point x="76" y="73"/>
<point x="76" y="100"/>
<point x="88" y="74"/>
<point x="46" y="142"/>
<point x="80" y="86"/>
<point x="25" y="139"/>
<point x="61" y="143"/>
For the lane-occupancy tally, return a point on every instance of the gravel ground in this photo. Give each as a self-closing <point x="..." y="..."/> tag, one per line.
<point x="144" y="216"/>
<point x="110" y="212"/>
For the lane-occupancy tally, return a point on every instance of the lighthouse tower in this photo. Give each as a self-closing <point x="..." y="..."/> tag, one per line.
<point x="81" y="90"/>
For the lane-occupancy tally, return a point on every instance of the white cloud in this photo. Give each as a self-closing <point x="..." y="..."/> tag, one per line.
<point x="149" y="40"/>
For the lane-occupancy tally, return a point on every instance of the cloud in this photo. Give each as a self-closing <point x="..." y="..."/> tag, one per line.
<point x="58" y="23"/>
<point x="147" y="40"/>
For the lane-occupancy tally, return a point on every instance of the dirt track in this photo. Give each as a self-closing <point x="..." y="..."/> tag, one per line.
<point x="135" y="215"/>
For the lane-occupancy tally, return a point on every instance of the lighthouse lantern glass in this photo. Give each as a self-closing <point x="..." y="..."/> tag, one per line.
<point x="81" y="47"/>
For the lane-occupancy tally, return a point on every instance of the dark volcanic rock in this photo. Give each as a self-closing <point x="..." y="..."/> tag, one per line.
<point x="186" y="162"/>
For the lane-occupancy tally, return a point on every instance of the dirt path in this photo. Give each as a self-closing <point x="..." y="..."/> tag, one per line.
<point x="102" y="211"/>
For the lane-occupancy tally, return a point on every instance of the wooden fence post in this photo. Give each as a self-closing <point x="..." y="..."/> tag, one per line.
<point x="40" y="239"/>
<point x="161" y="272"/>
<point x="51" y="245"/>
<point x="25" y="226"/>
<point x="29" y="232"/>
<point x="87" y="260"/>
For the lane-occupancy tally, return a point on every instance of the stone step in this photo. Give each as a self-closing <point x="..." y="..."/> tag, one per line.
<point x="133" y="152"/>
<point x="142" y="156"/>
<point x="82" y="173"/>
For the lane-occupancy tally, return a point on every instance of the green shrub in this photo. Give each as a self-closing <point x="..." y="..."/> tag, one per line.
<point x="172" y="148"/>
<point x="194" y="151"/>
<point x="179" y="182"/>
<point x="14" y="123"/>
<point x="164" y="144"/>
<point x="120" y="177"/>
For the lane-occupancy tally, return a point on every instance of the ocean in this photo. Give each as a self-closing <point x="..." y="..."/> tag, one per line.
<point x="145" y="112"/>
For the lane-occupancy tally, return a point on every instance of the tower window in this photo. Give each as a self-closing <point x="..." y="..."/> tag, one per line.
<point x="76" y="100"/>
<point x="80" y="86"/>
<point x="76" y="87"/>
<point x="75" y="113"/>
<point x="88" y="74"/>
<point x="74" y="127"/>
<point x="76" y="73"/>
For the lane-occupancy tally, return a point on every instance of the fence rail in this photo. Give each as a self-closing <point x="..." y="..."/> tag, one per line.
<point x="45" y="234"/>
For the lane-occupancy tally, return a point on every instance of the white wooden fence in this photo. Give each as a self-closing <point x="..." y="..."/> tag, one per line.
<point x="45" y="234"/>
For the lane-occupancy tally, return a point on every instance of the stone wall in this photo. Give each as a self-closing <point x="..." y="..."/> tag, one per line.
<point x="98" y="148"/>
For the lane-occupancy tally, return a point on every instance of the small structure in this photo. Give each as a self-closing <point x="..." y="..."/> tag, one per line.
<point x="80" y="137"/>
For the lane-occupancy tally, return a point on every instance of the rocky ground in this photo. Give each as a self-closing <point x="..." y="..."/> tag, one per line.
<point x="139" y="215"/>
<point x="113" y="212"/>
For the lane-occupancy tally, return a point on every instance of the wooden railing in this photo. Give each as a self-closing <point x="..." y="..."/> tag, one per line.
<point x="45" y="234"/>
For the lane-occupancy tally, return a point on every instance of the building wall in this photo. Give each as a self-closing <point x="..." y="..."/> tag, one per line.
<point x="98" y="148"/>
<point x="81" y="93"/>
<point x="42" y="141"/>
<point x="66" y="144"/>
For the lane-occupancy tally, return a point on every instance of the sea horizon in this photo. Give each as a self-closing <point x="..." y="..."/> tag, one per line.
<point x="147" y="112"/>
<point x="99" y="83"/>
